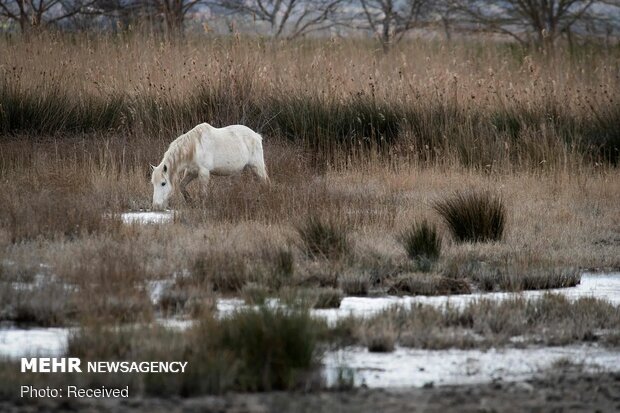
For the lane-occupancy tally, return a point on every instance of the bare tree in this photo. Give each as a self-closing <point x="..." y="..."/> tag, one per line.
<point x="602" y="21"/>
<point x="390" y="20"/>
<point x="287" y="18"/>
<point x="174" y="13"/>
<point x="528" y="21"/>
<point x="168" y="15"/>
<point x="33" y="14"/>
<point x="445" y="15"/>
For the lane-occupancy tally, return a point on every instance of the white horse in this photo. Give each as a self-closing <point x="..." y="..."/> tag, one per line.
<point x="206" y="151"/>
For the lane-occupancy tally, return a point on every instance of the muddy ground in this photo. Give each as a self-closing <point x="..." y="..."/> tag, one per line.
<point x="566" y="391"/>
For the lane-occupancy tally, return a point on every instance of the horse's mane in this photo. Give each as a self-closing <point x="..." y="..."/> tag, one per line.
<point x="182" y="149"/>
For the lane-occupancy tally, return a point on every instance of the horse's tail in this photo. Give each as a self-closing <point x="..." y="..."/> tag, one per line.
<point x="258" y="157"/>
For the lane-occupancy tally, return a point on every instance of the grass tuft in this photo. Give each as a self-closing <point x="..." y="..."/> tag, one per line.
<point x="272" y="348"/>
<point x="381" y="340"/>
<point x="473" y="216"/>
<point x="425" y="284"/>
<point x="421" y="242"/>
<point x="251" y="350"/>
<point x="223" y="271"/>
<point x="324" y="238"/>
<point x="327" y="298"/>
<point x="355" y="283"/>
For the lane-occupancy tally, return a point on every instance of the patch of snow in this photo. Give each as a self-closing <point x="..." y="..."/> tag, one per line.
<point x="151" y="217"/>
<point x="46" y="342"/>
<point x="52" y="342"/>
<point x="225" y="306"/>
<point x="415" y="368"/>
<point x="175" y="323"/>
<point x="602" y="286"/>
<point x="403" y="367"/>
<point x="38" y="281"/>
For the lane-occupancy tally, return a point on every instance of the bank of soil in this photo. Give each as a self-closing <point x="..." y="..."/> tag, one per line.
<point x="565" y="391"/>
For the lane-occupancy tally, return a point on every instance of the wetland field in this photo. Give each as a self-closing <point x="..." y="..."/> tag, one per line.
<point x="441" y="229"/>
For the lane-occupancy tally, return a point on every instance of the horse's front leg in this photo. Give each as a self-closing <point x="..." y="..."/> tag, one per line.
<point x="190" y="175"/>
<point x="204" y="175"/>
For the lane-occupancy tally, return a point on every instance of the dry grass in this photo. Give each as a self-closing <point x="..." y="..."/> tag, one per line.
<point x="368" y="158"/>
<point x="324" y="238"/>
<point x="252" y="350"/>
<point x="422" y="244"/>
<point x="355" y="283"/>
<point x="559" y="223"/>
<point x="472" y="216"/>
<point x="380" y="340"/>
<point x="550" y="320"/>
<point x="425" y="284"/>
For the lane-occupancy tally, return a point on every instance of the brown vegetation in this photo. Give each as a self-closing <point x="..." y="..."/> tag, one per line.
<point x="359" y="145"/>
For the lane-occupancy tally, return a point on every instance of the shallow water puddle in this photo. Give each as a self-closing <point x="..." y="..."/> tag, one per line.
<point x="602" y="286"/>
<point x="150" y="217"/>
<point x="416" y="368"/>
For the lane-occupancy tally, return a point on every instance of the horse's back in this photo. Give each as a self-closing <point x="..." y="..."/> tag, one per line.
<point x="239" y="135"/>
<point x="231" y="147"/>
<point x="242" y="132"/>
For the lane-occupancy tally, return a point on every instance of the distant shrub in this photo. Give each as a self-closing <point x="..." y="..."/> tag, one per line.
<point x="519" y="279"/>
<point x="473" y="216"/>
<point x="514" y="272"/>
<point x="324" y="239"/>
<point x="421" y="242"/>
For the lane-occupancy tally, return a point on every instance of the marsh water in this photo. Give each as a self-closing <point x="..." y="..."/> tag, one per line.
<point x="402" y="367"/>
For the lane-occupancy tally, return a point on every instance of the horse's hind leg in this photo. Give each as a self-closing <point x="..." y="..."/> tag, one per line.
<point x="190" y="175"/>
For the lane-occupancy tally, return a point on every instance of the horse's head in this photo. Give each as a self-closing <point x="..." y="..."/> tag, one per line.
<point x="162" y="186"/>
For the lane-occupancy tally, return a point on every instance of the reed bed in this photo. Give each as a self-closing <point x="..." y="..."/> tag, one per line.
<point x="481" y="105"/>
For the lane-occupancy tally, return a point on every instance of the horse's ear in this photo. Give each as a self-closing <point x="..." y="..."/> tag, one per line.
<point x="165" y="168"/>
<point x="152" y="167"/>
